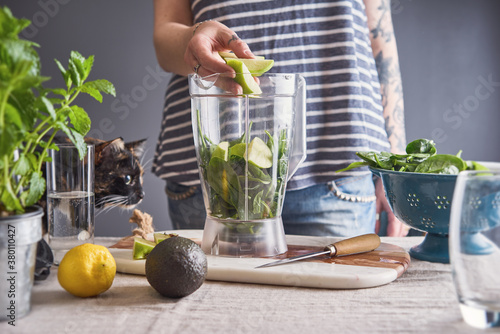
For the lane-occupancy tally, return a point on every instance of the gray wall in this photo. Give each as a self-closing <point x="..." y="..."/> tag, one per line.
<point x="449" y="51"/>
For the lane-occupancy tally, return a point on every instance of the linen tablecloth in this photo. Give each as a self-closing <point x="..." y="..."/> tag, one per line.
<point x="422" y="300"/>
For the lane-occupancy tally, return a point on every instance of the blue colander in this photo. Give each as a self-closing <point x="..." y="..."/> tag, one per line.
<point x="423" y="201"/>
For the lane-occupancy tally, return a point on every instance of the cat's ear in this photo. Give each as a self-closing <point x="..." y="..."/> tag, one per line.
<point x="108" y="147"/>
<point x="137" y="147"/>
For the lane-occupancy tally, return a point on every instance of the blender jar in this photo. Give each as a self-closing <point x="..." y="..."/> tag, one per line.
<point x="247" y="146"/>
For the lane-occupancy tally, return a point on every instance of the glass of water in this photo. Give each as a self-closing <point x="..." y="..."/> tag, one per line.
<point x="70" y="199"/>
<point x="474" y="246"/>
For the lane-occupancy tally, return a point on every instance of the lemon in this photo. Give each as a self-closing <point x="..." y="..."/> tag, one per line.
<point x="87" y="270"/>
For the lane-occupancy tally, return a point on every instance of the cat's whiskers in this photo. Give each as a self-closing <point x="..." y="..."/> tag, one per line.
<point x="143" y="156"/>
<point x="109" y="202"/>
<point x="110" y="199"/>
<point x="145" y="165"/>
<point x="111" y="205"/>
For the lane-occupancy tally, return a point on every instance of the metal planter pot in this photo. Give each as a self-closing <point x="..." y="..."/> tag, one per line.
<point x="19" y="235"/>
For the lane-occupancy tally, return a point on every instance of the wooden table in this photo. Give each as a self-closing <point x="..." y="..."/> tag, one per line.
<point x="422" y="300"/>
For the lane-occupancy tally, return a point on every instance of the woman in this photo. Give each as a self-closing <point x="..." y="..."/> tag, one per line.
<point x="347" y="52"/>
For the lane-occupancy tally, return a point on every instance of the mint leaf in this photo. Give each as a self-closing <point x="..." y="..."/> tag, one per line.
<point x="80" y="144"/>
<point x="74" y="74"/>
<point x="76" y="61"/>
<point x="65" y="73"/>
<point x="48" y="107"/>
<point x="33" y="159"/>
<point x="10" y="202"/>
<point x="103" y="86"/>
<point x="36" y="188"/>
<point x="12" y="117"/>
<point x="22" y="166"/>
<point x="11" y="26"/>
<point x="92" y="91"/>
<point x="25" y="103"/>
<point x="58" y="91"/>
<point x="87" y="65"/>
<point x="75" y="137"/>
<point x="80" y="120"/>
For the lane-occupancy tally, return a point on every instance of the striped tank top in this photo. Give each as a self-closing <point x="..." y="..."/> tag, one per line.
<point x="325" y="41"/>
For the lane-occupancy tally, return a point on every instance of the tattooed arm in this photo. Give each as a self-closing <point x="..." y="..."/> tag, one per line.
<point x="385" y="52"/>
<point x="386" y="57"/>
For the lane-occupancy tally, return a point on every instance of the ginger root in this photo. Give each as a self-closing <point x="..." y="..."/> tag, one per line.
<point x="144" y="227"/>
<point x="144" y="223"/>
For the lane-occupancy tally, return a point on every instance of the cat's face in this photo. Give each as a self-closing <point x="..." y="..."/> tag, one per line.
<point x="118" y="173"/>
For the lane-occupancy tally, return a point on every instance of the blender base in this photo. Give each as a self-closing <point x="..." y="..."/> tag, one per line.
<point x="236" y="238"/>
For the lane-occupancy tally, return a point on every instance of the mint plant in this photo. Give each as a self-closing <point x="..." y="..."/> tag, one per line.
<point x="31" y="115"/>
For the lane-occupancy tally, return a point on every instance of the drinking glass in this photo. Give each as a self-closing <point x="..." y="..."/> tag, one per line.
<point x="474" y="246"/>
<point x="70" y="199"/>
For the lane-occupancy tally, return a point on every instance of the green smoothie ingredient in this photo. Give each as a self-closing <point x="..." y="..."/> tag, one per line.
<point x="421" y="157"/>
<point x="142" y="248"/>
<point x="246" y="69"/>
<point x="244" y="181"/>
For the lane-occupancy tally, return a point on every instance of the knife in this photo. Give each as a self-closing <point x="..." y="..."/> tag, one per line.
<point x="360" y="244"/>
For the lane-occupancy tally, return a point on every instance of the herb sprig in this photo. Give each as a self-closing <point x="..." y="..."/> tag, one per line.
<point x="31" y="115"/>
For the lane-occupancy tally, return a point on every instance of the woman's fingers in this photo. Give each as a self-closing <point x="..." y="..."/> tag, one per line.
<point x="208" y="39"/>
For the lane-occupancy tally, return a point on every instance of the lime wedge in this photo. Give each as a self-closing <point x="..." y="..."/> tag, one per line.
<point x="224" y="54"/>
<point x="259" y="153"/>
<point x="238" y="150"/>
<point x="243" y="77"/>
<point x="159" y="237"/>
<point x="142" y="248"/>
<point x="222" y="151"/>
<point x="256" y="66"/>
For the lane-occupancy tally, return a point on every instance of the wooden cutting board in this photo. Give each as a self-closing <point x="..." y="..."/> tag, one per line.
<point x="379" y="267"/>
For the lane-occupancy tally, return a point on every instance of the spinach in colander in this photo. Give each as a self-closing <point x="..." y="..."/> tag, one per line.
<point x="421" y="157"/>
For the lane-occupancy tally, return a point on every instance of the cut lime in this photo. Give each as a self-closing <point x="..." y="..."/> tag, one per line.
<point x="222" y="151"/>
<point x="159" y="237"/>
<point x="259" y="153"/>
<point x="224" y="54"/>
<point x="238" y="150"/>
<point x="142" y="248"/>
<point x="256" y="66"/>
<point x="243" y="77"/>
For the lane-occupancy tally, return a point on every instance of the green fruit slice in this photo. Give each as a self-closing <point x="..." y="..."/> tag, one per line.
<point x="243" y="77"/>
<point x="238" y="150"/>
<point x="222" y="151"/>
<point x="259" y="153"/>
<point x="224" y="54"/>
<point x="159" y="237"/>
<point x="142" y="248"/>
<point x="256" y="66"/>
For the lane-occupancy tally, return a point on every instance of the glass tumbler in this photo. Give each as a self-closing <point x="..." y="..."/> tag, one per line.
<point x="474" y="246"/>
<point x="70" y="199"/>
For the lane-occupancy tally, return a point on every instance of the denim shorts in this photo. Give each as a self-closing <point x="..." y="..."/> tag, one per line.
<point x="344" y="207"/>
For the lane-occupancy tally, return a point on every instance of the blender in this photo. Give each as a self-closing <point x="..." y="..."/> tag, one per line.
<point x="248" y="147"/>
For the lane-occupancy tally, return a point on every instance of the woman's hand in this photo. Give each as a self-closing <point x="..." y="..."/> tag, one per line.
<point x="181" y="45"/>
<point x="210" y="37"/>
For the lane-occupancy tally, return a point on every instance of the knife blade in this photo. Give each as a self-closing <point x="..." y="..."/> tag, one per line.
<point x="360" y="244"/>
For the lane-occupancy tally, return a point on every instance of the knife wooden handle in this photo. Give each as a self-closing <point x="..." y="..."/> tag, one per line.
<point x="359" y="244"/>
